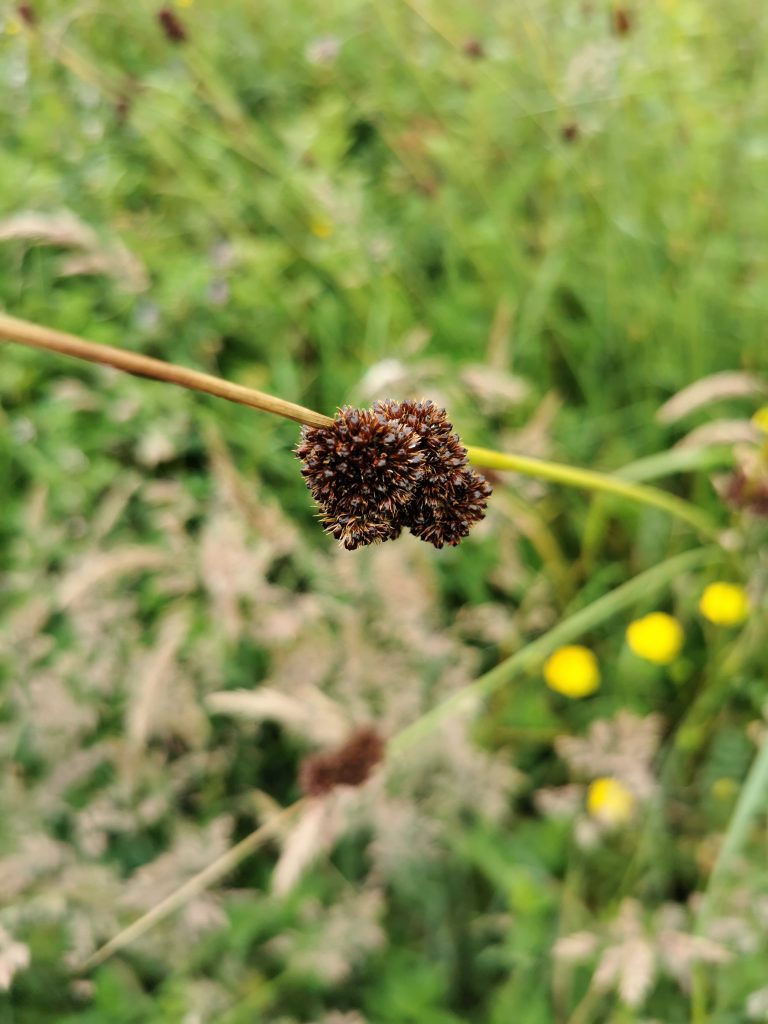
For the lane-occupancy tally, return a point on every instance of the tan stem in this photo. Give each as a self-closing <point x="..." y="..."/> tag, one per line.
<point x="36" y="336"/>
<point x="227" y="862"/>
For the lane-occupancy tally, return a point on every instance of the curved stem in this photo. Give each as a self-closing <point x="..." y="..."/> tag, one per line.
<point x="750" y="806"/>
<point x="36" y="336"/>
<point x="565" y="632"/>
<point x="589" y="480"/>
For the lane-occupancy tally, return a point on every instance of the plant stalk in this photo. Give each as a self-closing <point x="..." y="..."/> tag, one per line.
<point x="589" y="480"/>
<point x="566" y="631"/>
<point x="35" y="336"/>
<point x="198" y="883"/>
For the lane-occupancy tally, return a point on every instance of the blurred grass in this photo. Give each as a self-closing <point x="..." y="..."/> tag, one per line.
<point x="314" y="192"/>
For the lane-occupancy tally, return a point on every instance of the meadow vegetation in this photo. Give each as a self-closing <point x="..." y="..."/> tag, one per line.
<point x="549" y="218"/>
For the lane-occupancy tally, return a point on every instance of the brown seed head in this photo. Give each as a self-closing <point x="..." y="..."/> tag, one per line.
<point x="172" y="25"/>
<point x="349" y="765"/>
<point x="28" y="14"/>
<point x="747" y="492"/>
<point x="398" y="464"/>
<point x="622" y="21"/>
<point x="473" y="49"/>
<point x="363" y="471"/>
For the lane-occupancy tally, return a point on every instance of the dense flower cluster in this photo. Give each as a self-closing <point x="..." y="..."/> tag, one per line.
<point x="394" y="465"/>
<point x="349" y="765"/>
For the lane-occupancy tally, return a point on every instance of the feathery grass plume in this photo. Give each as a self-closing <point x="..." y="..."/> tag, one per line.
<point x="348" y="765"/>
<point x="397" y="464"/>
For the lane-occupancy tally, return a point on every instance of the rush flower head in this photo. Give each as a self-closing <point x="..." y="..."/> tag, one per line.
<point x="657" y="637"/>
<point x="348" y="765"/>
<point x="725" y="604"/>
<point x="572" y="671"/>
<point x="396" y="465"/>
<point x="610" y="801"/>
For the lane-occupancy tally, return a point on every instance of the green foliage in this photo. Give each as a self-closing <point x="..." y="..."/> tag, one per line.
<point x="548" y="223"/>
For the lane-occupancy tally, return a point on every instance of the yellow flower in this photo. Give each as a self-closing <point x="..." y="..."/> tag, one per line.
<point x="725" y="604"/>
<point x="724" y="788"/>
<point x="760" y="419"/>
<point x="610" y="801"/>
<point x="572" y="671"/>
<point x="321" y="227"/>
<point x="657" y="637"/>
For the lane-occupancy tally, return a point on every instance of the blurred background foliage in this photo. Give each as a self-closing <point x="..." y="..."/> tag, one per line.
<point x="550" y="217"/>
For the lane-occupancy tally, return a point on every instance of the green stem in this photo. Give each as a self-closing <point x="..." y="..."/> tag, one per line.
<point x="678" y="460"/>
<point x="751" y="803"/>
<point x="587" y="479"/>
<point x="564" y="632"/>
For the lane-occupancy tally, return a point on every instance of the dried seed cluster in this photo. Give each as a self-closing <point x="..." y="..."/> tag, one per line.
<point x="748" y="491"/>
<point x="394" y="465"/>
<point x="349" y="765"/>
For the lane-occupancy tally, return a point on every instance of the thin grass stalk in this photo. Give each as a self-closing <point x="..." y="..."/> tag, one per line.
<point x="222" y="866"/>
<point x="589" y="480"/>
<point x="751" y="804"/>
<point x="523" y="660"/>
<point x="35" y="336"/>
<point x="564" y="632"/>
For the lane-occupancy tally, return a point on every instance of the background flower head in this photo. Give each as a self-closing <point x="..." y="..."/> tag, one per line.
<point x="610" y="801"/>
<point x="725" y="604"/>
<point x="572" y="671"/>
<point x="657" y="637"/>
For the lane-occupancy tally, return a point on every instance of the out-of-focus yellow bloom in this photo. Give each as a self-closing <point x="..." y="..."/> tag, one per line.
<point x="321" y="227"/>
<point x="725" y="604"/>
<point x="12" y="27"/>
<point x="572" y="671"/>
<point x="657" y="637"/>
<point x="183" y="3"/>
<point x="610" y="801"/>
<point x="724" y="788"/>
<point x="760" y="419"/>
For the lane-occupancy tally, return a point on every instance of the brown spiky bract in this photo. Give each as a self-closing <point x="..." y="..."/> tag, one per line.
<point x="394" y="465"/>
<point x="348" y="765"/>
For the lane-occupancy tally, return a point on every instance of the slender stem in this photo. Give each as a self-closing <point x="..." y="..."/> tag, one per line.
<point x="195" y="885"/>
<point x="750" y="805"/>
<point x="36" y="336"/>
<point x="565" y="632"/>
<point x="573" y="476"/>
